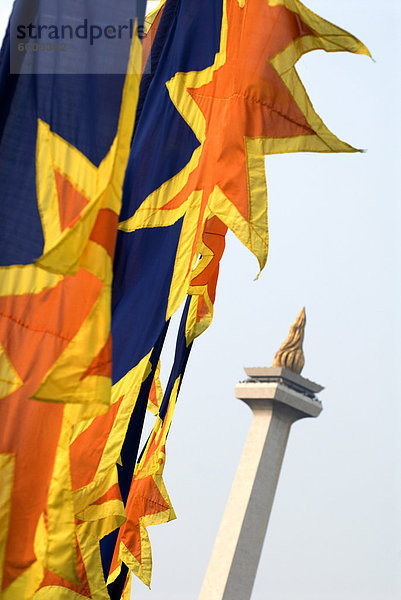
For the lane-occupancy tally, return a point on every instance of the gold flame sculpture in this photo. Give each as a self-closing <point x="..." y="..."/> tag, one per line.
<point x="290" y="354"/>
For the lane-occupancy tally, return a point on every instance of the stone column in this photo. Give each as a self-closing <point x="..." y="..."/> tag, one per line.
<point x="277" y="397"/>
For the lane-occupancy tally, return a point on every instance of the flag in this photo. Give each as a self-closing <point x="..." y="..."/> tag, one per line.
<point x="65" y="130"/>
<point x="221" y="93"/>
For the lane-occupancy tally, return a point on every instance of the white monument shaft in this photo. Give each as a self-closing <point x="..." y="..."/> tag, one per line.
<point x="278" y="398"/>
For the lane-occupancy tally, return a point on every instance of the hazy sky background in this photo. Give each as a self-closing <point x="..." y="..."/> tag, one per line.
<point x="334" y="532"/>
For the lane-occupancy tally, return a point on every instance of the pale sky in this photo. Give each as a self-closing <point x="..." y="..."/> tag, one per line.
<point x="334" y="532"/>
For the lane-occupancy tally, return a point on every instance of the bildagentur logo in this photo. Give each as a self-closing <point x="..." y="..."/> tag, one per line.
<point x="83" y="31"/>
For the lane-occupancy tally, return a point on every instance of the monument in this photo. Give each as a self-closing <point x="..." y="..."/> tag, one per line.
<point x="278" y="396"/>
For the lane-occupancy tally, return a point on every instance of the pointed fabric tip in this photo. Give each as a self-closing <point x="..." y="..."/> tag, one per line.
<point x="262" y="266"/>
<point x="259" y="274"/>
<point x="262" y="258"/>
<point x="337" y="39"/>
<point x="364" y="50"/>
